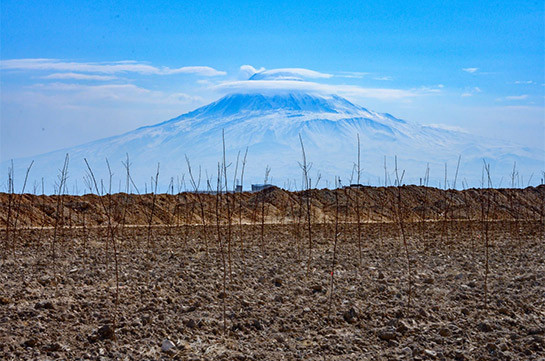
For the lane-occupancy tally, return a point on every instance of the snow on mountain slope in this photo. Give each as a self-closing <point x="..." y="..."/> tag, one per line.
<point x="270" y="125"/>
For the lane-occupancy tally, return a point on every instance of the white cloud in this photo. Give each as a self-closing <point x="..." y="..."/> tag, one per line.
<point x="78" y="76"/>
<point x="200" y="70"/>
<point x="251" y="86"/>
<point x="470" y="70"/>
<point x="471" y="92"/>
<point x="289" y="74"/>
<point x="524" y="82"/>
<point x="516" y="97"/>
<point x="447" y="127"/>
<point x="127" y="66"/>
<point x="430" y="89"/>
<point x="248" y="70"/>
<point x="351" y="74"/>
<point x="387" y="78"/>
<point x="76" y="94"/>
<point x="181" y="98"/>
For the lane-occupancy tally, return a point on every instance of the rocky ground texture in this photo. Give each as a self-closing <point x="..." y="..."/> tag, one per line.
<point x="172" y="303"/>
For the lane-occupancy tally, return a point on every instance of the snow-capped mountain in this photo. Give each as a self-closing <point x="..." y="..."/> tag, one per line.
<point x="269" y="125"/>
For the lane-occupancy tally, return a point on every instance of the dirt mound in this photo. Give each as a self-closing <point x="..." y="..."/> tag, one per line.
<point x="376" y="204"/>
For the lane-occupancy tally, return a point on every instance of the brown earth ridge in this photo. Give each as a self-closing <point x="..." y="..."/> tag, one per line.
<point x="377" y="204"/>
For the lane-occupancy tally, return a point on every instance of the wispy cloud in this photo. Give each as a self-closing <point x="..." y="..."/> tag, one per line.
<point x="123" y="93"/>
<point x="471" y="92"/>
<point x="470" y="70"/>
<point x="200" y="70"/>
<point x="447" y="127"/>
<point x="386" y="78"/>
<point x="248" y="70"/>
<point x="516" y="97"/>
<point x="351" y="74"/>
<point x="251" y="86"/>
<point x="104" y="68"/>
<point x="289" y="74"/>
<point x="78" y="76"/>
<point x="524" y="82"/>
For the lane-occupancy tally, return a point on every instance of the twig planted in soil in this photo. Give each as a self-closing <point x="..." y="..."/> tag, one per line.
<point x="10" y="206"/>
<point x="229" y="220"/>
<point x="240" y="205"/>
<point x="153" y="206"/>
<point x="111" y="234"/>
<point x="400" y="216"/>
<point x="195" y="186"/>
<point x="485" y="211"/>
<point x="18" y="207"/>
<point x="221" y="246"/>
<point x="306" y="167"/>
<point x="334" y="258"/>
<point x="263" y="208"/>
<point x="357" y="200"/>
<point x="58" y="217"/>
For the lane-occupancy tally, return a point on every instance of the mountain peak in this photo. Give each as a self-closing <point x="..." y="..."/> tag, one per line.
<point x="290" y="101"/>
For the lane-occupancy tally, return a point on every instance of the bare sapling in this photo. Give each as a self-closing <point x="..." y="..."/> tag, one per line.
<point x="195" y="185"/>
<point x="423" y="214"/>
<point x="88" y="184"/>
<point x="137" y="239"/>
<point x="110" y="203"/>
<point x="334" y="257"/>
<point x="177" y="208"/>
<point x="255" y="204"/>
<point x="18" y="207"/>
<point x="241" y="239"/>
<point x="515" y="229"/>
<point x="485" y="211"/>
<point x="111" y="235"/>
<point x="152" y="213"/>
<point x="10" y="206"/>
<point x="346" y="224"/>
<point x="234" y="190"/>
<point x="43" y="212"/>
<point x="263" y="208"/>
<point x="444" y="234"/>
<point x="127" y="165"/>
<point x="400" y="216"/>
<point x="382" y="206"/>
<point x="170" y="220"/>
<point x="452" y="193"/>
<point x="295" y="212"/>
<point x="305" y="168"/>
<point x="181" y="212"/>
<point x="223" y="295"/>
<point x="70" y="229"/>
<point x="227" y="204"/>
<point x="468" y="218"/>
<point x="299" y="223"/>
<point x="62" y="177"/>
<point x="357" y="200"/>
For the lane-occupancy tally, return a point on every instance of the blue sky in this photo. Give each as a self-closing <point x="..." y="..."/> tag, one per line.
<point x="76" y="71"/>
